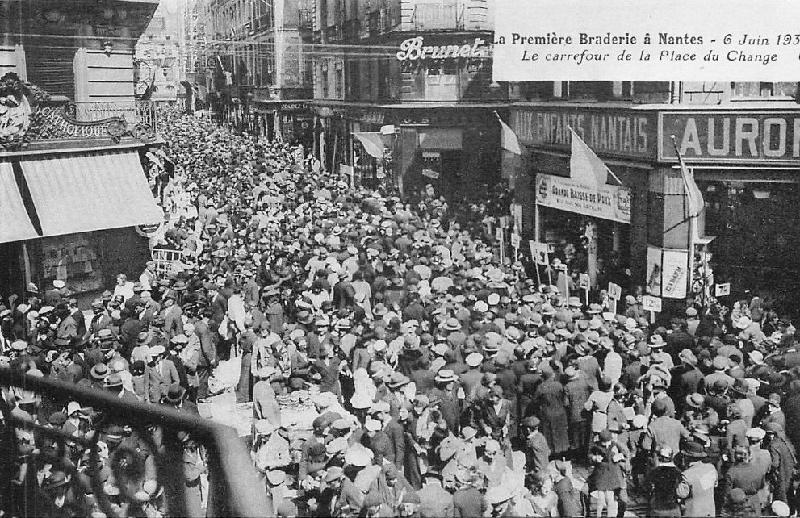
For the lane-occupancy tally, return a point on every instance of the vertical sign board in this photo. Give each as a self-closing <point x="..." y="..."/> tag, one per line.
<point x="675" y="268"/>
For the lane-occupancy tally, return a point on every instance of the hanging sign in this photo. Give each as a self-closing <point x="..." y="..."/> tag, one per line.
<point x="515" y="240"/>
<point x="605" y="202"/>
<point x="614" y="291"/>
<point x="722" y="290"/>
<point x="583" y="281"/>
<point x="650" y="303"/>
<point x="498" y="234"/>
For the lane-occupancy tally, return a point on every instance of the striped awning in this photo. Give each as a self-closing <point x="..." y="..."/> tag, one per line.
<point x="90" y="192"/>
<point x="15" y="225"/>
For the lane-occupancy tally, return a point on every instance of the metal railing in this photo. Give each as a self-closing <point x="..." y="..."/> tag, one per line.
<point x="134" y="112"/>
<point x="234" y="486"/>
<point x="438" y="16"/>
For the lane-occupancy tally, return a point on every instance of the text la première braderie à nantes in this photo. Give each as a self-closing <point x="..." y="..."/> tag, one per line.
<point x="739" y="48"/>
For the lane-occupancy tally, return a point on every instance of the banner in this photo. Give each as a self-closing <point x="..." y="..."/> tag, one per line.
<point x="654" y="271"/>
<point x="675" y="266"/>
<point x="605" y="202"/>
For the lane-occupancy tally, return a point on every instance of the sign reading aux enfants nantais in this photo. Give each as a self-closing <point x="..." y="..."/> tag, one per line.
<point x="625" y="133"/>
<point x="413" y="49"/>
<point x="741" y="136"/>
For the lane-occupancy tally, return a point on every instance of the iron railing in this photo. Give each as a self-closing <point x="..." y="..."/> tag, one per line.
<point x="234" y="486"/>
<point x="438" y="16"/>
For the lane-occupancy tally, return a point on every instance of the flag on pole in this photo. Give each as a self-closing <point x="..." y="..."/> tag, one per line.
<point x="508" y="139"/>
<point x="585" y="166"/>
<point x="694" y="198"/>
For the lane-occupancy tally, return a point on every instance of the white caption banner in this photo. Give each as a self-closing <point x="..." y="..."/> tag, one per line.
<point x="647" y="40"/>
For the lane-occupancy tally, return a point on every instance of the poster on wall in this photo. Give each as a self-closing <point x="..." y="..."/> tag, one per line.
<point x="675" y="266"/>
<point x="654" y="271"/>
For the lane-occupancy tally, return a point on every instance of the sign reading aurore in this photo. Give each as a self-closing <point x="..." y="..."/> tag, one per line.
<point x="728" y="136"/>
<point x="607" y="202"/>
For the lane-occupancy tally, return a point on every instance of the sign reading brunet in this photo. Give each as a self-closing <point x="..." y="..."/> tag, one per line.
<point x="647" y="40"/>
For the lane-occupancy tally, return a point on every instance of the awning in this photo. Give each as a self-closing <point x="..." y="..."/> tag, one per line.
<point x="372" y="142"/>
<point x="14" y="222"/>
<point x="90" y="192"/>
<point x="440" y="138"/>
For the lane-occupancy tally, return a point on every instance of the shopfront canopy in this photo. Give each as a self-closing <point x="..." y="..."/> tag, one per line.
<point x="15" y="225"/>
<point x="372" y="142"/>
<point x="90" y="192"/>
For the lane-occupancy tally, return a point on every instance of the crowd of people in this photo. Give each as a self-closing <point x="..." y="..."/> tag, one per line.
<point x="445" y="382"/>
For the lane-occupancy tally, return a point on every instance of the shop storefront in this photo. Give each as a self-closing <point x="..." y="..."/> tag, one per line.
<point x="745" y="162"/>
<point x="747" y="165"/>
<point x="290" y="121"/>
<point x="453" y="148"/>
<point x="598" y="230"/>
<point x="70" y="206"/>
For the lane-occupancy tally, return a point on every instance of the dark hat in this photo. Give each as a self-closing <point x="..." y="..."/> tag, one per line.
<point x="174" y="394"/>
<point x="57" y="419"/>
<point x="694" y="450"/>
<point x="605" y="435"/>
<point x="99" y="371"/>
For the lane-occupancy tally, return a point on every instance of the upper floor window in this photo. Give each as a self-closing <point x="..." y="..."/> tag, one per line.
<point x="759" y="90"/>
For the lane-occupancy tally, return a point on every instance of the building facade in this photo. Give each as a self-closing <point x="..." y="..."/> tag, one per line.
<point x="73" y="191"/>
<point x="161" y="54"/>
<point x="740" y="140"/>
<point x="254" y="62"/>
<point x="403" y="93"/>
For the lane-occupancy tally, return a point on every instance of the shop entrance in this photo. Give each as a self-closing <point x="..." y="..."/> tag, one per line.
<point x="566" y="231"/>
<point x="757" y="229"/>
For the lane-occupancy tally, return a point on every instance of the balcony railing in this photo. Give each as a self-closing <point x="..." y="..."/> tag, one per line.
<point x="438" y="16"/>
<point x="134" y="112"/>
<point x="161" y="437"/>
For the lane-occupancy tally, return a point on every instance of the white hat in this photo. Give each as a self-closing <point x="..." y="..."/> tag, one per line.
<point x="58" y="283"/>
<point x="493" y="299"/>
<point x="498" y="494"/>
<point x="73" y="407"/>
<point x="474" y="359"/>
<point x="373" y="425"/>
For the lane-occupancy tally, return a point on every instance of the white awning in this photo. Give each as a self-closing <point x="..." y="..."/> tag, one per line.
<point x="372" y="142"/>
<point x="15" y="225"/>
<point x="83" y="193"/>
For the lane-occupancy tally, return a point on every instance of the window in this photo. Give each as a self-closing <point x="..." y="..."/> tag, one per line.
<point x="339" y="83"/>
<point x="760" y="90"/>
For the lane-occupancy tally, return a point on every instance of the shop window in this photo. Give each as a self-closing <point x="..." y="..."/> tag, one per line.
<point x="561" y="89"/>
<point x="763" y="90"/>
<point x="441" y="81"/>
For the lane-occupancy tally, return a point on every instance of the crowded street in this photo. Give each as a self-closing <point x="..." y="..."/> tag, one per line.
<point x="378" y="358"/>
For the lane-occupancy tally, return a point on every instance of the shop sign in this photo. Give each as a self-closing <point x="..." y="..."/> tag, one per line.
<point x="625" y="133"/>
<point x="413" y="49"/>
<point x="731" y="136"/>
<point x="606" y="202"/>
<point x="293" y="107"/>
